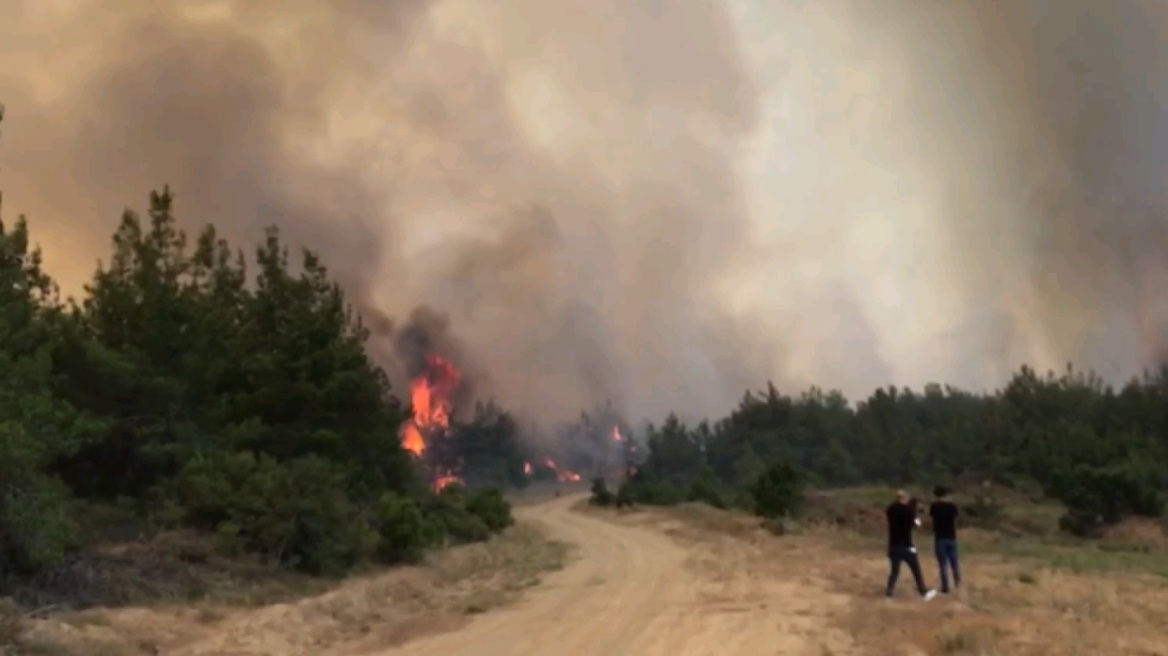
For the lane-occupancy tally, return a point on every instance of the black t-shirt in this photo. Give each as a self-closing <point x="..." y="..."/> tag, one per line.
<point x="944" y="514"/>
<point x="901" y="521"/>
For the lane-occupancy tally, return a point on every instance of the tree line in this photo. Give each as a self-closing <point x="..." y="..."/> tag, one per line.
<point x="1101" y="450"/>
<point x="193" y="387"/>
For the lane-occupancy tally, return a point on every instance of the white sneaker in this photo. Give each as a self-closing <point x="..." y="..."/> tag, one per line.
<point x="928" y="596"/>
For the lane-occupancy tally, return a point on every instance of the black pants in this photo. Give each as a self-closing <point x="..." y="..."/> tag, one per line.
<point x="898" y="555"/>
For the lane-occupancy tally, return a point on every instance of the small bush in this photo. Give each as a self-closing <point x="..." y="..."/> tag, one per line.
<point x="458" y="524"/>
<point x="1082" y="523"/>
<point x="652" y="492"/>
<point x="36" y="529"/>
<point x="624" y="495"/>
<point x="1101" y="496"/>
<point x="402" y="531"/>
<point x="985" y="510"/>
<point x="778" y="492"/>
<point x="706" y="489"/>
<point x="295" y="512"/>
<point x="600" y="493"/>
<point x="743" y="501"/>
<point x="490" y="506"/>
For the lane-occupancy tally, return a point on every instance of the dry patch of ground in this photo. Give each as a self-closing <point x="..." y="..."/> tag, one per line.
<point x="1025" y="596"/>
<point x="684" y="580"/>
<point x="651" y="583"/>
<point x="734" y="564"/>
<point x="1010" y="605"/>
<point x="384" y="608"/>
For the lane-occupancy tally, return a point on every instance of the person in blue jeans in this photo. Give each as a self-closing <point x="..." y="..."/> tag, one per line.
<point x="943" y="513"/>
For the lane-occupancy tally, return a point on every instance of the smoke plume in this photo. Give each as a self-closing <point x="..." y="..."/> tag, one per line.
<point x="658" y="202"/>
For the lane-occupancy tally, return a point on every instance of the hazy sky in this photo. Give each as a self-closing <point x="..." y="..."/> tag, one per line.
<point x="661" y="202"/>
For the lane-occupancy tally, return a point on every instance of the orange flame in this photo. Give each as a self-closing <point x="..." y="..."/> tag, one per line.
<point x="616" y="434"/>
<point x="562" y="475"/>
<point x="527" y="468"/>
<point x="446" y="480"/>
<point x="412" y="439"/>
<point x="430" y="402"/>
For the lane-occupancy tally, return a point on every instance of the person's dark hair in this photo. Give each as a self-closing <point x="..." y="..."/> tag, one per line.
<point x="940" y="491"/>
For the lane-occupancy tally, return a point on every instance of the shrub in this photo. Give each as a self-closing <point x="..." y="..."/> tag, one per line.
<point x="653" y="492"/>
<point x="778" y="492"/>
<point x="36" y="529"/>
<point x="295" y="513"/>
<point x="1082" y="523"/>
<point x="743" y="500"/>
<point x="402" y="531"/>
<point x="624" y="495"/>
<point x="490" y="506"/>
<point x="600" y="493"/>
<point x="985" y="510"/>
<point x="1100" y="496"/>
<point x="706" y="489"/>
<point x="458" y="524"/>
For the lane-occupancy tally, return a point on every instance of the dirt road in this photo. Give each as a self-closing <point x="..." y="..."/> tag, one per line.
<point x="642" y="584"/>
<point x="634" y="590"/>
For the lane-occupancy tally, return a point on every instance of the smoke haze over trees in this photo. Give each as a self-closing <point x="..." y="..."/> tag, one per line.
<point x="199" y="388"/>
<point x="666" y="206"/>
<point x="657" y="204"/>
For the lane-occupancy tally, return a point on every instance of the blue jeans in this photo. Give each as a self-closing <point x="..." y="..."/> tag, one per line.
<point x="946" y="558"/>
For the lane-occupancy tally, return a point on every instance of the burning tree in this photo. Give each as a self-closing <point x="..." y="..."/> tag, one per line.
<point x="598" y="443"/>
<point x="431" y="405"/>
<point x="457" y="439"/>
<point x="452" y="440"/>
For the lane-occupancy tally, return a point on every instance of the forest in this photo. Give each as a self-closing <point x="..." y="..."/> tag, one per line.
<point x="1065" y="436"/>
<point x="194" y="386"/>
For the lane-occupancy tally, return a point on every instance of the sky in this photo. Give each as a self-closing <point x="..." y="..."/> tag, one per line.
<point x="658" y="203"/>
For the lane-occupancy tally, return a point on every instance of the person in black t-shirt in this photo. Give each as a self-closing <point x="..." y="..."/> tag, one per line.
<point x="944" y="515"/>
<point x="902" y="520"/>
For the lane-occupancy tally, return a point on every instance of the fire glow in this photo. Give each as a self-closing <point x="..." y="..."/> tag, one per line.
<point x="562" y="475"/>
<point x="431" y="402"/>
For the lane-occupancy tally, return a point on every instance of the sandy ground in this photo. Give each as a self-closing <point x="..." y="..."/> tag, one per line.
<point x="636" y="590"/>
<point x="685" y="581"/>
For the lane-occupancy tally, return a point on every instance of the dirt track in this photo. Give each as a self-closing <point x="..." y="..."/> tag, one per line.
<point x="635" y="590"/>
<point x="689" y="581"/>
<point x="641" y="584"/>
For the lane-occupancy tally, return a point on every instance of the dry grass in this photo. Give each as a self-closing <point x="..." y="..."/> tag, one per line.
<point x="1025" y="596"/>
<point x="1007" y="608"/>
<point x="178" y="567"/>
<point x="385" y="608"/>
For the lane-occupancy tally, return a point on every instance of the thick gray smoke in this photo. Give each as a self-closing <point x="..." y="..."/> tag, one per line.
<point x="658" y="202"/>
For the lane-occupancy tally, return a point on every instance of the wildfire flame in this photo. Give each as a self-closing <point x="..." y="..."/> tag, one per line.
<point x="445" y="480"/>
<point x="616" y="434"/>
<point x="527" y="468"/>
<point x="430" y="401"/>
<point x="562" y="475"/>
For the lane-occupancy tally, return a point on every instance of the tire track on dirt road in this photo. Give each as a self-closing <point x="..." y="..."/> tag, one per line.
<point x="630" y="591"/>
